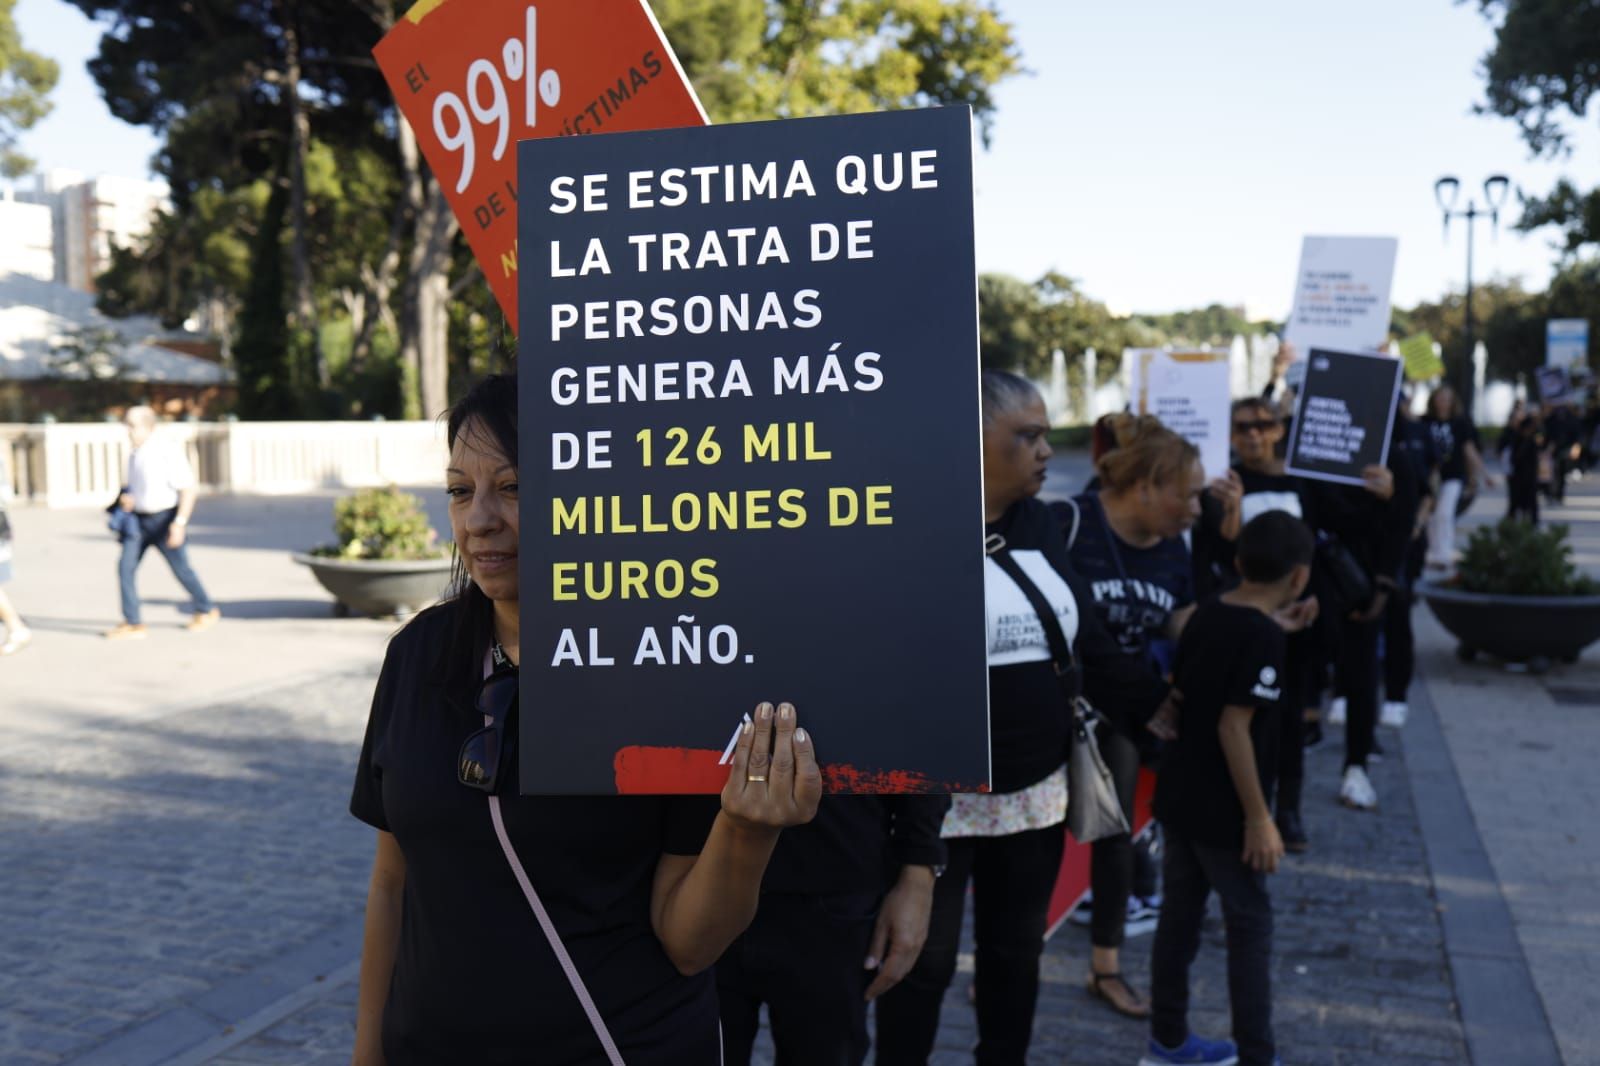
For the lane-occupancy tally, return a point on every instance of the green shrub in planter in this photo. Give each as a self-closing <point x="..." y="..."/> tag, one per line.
<point x="385" y="524"/>
<point x="1517" y="558"/>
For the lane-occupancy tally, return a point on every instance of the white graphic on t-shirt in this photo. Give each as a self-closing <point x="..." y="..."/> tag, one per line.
<point x="1015" y="633"/>
<point x="1258" y="503"/>
<point x="1265" y="687"/>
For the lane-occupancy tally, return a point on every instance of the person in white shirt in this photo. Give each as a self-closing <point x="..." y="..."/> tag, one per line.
<point x="160" y="492"/>
<point x="17" y="633"/>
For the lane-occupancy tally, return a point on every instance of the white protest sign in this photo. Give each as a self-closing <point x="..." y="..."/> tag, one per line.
<point x="1341" y="294"/>
<point x="1190" y="391"/>
<point x="1566" y="343"/>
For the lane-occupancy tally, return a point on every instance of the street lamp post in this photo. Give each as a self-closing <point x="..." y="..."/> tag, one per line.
<point x="1445" y="191"/>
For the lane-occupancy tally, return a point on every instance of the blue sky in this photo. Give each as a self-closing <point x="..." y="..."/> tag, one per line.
<point x="1166" y="153"/>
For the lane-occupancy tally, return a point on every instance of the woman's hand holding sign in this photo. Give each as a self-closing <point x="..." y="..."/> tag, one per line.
<point x="775" y="780"/>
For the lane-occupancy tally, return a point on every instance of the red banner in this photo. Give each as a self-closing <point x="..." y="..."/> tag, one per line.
<point x="1073" y="880"/>
<point x="474" y="77"/>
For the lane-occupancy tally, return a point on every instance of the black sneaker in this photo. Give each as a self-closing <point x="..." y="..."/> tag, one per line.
<point x="1312" y="735"/>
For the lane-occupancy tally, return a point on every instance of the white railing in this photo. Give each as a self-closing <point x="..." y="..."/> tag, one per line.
<point x="76" y="464"/>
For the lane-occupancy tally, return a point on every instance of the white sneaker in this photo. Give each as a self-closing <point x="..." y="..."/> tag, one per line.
<point x="1393" y="714"/>
<point x="1336" y="711"/>
<point x="1356" y="790"/>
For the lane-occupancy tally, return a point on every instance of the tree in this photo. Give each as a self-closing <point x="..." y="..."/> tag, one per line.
<point x="1544" y="69"/>
<point x="26" y="79"/>
<point x="756" y="59"/>
<point x="262" y="99"/>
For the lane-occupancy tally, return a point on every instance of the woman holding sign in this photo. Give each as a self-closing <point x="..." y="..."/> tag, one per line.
<point x="504" y="928"/>
<point x="1008" y="844"/>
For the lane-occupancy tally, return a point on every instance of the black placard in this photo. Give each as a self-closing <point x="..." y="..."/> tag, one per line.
<point x="750" y="452"/>
<point x="1342" y="414"/>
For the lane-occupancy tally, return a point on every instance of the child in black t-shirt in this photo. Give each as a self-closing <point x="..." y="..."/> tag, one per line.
<point x="1211" y="795"/>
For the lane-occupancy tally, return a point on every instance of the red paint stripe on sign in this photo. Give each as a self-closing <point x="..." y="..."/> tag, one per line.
<point x="642" y="770"/>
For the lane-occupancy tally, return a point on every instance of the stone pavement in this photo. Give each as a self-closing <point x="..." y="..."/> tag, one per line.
<point x="179" y="881"/>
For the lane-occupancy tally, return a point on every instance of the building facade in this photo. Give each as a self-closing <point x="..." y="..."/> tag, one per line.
<point x="89" y="217"/>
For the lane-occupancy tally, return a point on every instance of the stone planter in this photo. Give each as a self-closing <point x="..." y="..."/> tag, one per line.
<point x="379" y="588"/>
<point x="1535" y="630"/>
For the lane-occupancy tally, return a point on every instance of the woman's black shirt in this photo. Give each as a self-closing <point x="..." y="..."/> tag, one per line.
<point x="474" y="978"/>
<point x="1027" y="712"/>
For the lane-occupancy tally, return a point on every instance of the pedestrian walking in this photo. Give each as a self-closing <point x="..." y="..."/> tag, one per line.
<point x="17" y="633"/>
<point x="1461" y="469"/>
<point x="160" y="493"/>
<point x="1525" y="449"/>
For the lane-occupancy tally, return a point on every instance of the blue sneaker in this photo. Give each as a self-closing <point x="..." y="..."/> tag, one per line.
<point x="1194" y="1051"/>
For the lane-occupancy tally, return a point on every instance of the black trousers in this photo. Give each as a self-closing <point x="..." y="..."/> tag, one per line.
<point x="1523" y="498"/>
<point x="1192" y="872"/>
<point x="802" y="956"/>
<point x="1399" y="645"/>
<point x="1111" y="858"/>
<point x="1305" y="655"/>
<point x="1012" y="878"/>
<point x="1356" y="674"/>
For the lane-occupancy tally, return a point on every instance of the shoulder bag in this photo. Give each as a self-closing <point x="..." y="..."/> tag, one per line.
<point x="1093" y="810"/>
<point x="542" y="916"/>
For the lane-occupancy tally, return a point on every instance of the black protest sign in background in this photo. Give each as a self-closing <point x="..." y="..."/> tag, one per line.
<point x="750" y="452"/>
<point x="1342" y="415"/>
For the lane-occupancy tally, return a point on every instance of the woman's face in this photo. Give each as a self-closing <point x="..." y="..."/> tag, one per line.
<point x="1171" y="508"/>
<point x="1254" y="433"/>
<point x="1015" y="451"/>
<point x="1442" y="404"/>
<point x="482" y="485"/>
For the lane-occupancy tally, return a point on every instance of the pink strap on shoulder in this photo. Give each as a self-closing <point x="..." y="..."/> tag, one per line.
<point x="613" y="1057"/>
<point x="550" y="934"/>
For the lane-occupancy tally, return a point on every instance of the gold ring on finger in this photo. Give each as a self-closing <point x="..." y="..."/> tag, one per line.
<point x="756" y="777"/>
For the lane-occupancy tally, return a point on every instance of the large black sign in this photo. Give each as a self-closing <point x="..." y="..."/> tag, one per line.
<point x="750" y="452"/>
<point x="1342" y="414"/>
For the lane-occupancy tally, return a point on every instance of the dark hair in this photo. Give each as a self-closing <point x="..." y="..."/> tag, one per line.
<point x="1271" y="545"/>
<point x="487" y="415"/>
<point x="1253" y="403"/>
<point x="1448" y="394"/>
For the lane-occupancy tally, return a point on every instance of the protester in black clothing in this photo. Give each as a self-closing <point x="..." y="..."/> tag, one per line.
<point x="1211" y="796"/>
<point x="1502" y="444"/>
<point x="1255" y="433"/>
<point x="1008" y="844"/>
<point x="1461" y="470"/>
<point x="1591" y="427"/>
<point x="1373" y="523"/>
<point x="1562" y="429"/>
<point x="599" y="950"/>
<point x="1399" y="642"/>
<point x="1126" y="542"/>
<point x="843" y="916"/>
<point x="1524" y="444"/>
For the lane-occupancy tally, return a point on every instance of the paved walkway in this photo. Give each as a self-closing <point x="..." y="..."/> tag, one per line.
<point x="179" y="881"/>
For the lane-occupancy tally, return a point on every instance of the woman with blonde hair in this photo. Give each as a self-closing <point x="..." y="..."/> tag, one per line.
<point x="1126" y="540"/>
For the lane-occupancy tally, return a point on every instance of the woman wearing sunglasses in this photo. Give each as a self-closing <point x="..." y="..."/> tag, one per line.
<point x="504" y="928"/>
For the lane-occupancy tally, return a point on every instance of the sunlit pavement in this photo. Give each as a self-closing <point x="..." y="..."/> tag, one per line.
<point x="179" y="881"/>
